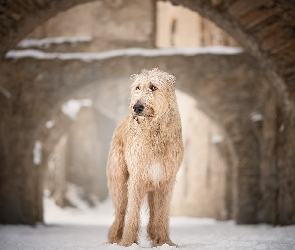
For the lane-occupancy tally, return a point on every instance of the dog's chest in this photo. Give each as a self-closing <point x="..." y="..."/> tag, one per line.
<point x="155" y="173"/>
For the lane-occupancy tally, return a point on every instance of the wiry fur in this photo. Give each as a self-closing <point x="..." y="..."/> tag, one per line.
<point x="145" y="155"/>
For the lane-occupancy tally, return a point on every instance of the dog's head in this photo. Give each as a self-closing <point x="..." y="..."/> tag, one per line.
<point x="152" y="93"/>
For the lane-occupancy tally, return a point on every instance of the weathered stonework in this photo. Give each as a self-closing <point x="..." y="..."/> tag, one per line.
<point x="107" y="25"/>
<point x="264" y="28"/>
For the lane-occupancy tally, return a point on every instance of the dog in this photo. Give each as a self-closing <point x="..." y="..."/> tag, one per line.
<point x="145" y="155"/>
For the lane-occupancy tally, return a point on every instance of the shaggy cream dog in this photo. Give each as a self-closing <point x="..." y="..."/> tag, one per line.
<point x="145" y="155"/>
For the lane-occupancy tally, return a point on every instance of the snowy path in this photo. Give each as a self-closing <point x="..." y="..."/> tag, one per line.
<point x="186" y="232"/>
<point x="86" y="229"/>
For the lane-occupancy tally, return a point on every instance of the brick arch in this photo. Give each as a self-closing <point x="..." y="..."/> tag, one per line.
<point x="19" y="18"/>
<point x="264" y="28"/>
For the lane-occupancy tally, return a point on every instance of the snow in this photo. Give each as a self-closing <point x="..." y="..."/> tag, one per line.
<point x="256" y="117"/>
<point x="217" y="139"/>
<point x="85" y="228"/>
<point x="282" y="128"/>
<point x="37" y="153"/>
<point x="46" y="42"/>
<point x="37" y="54"/>
<point x="5" y="92"/>
<point x="72" y="107"/>
<point x="81" y="215"/>
<point x="91" y="237"/>
<point x="50" y="124"/>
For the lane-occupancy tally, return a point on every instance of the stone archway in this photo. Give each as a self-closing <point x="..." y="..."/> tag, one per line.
<point x="228" y="98"/>
<point x="265" y="29"/>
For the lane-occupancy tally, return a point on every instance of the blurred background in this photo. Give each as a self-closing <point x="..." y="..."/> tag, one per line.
<point x="69" y="79"/>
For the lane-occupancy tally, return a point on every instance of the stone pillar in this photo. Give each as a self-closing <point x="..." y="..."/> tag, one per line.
<point x="19" y="178"/>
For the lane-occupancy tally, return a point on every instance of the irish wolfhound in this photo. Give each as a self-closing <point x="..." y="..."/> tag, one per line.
<point x="145" y="155"/>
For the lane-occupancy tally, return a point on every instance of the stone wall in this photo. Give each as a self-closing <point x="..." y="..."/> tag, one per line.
<point x="109" y="25"/>
<point x="100" y="26"/>
<point x="262" y="27"/>
<point x="55" y="173"/>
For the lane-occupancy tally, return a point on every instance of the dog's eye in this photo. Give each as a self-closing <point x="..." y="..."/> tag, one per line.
<point x="153" y="88"/>
<point x="137" y="88"/>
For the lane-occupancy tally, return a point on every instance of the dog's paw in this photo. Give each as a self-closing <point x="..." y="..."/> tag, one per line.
<point x="127" y="243"/>
<point x="114" y="240"/>
<point x="159" y="242"/>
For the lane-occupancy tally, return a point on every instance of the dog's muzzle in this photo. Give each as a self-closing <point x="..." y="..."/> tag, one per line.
<point x="138" y="108"/>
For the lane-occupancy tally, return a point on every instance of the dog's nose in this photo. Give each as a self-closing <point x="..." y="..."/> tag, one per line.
<point x="138" y="108"/>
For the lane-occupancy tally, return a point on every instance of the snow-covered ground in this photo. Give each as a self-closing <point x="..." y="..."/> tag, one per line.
<point x="85" y="228"/>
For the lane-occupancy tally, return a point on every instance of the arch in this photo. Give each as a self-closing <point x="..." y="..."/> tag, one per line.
<point x="266" y="30"/>
<point x="19" y="18"/>
<point x="222" y="92"/>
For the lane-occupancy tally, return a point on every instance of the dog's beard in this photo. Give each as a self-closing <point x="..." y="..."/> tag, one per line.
<point x="141" y="118"/>
<point x="148" y="112"/>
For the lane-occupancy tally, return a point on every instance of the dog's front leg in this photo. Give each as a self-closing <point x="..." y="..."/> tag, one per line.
<point x="132" y="222"/>
<point x="117" y="181"/>
<point x="118" y="190"/>
<point x="158" y="228"/>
